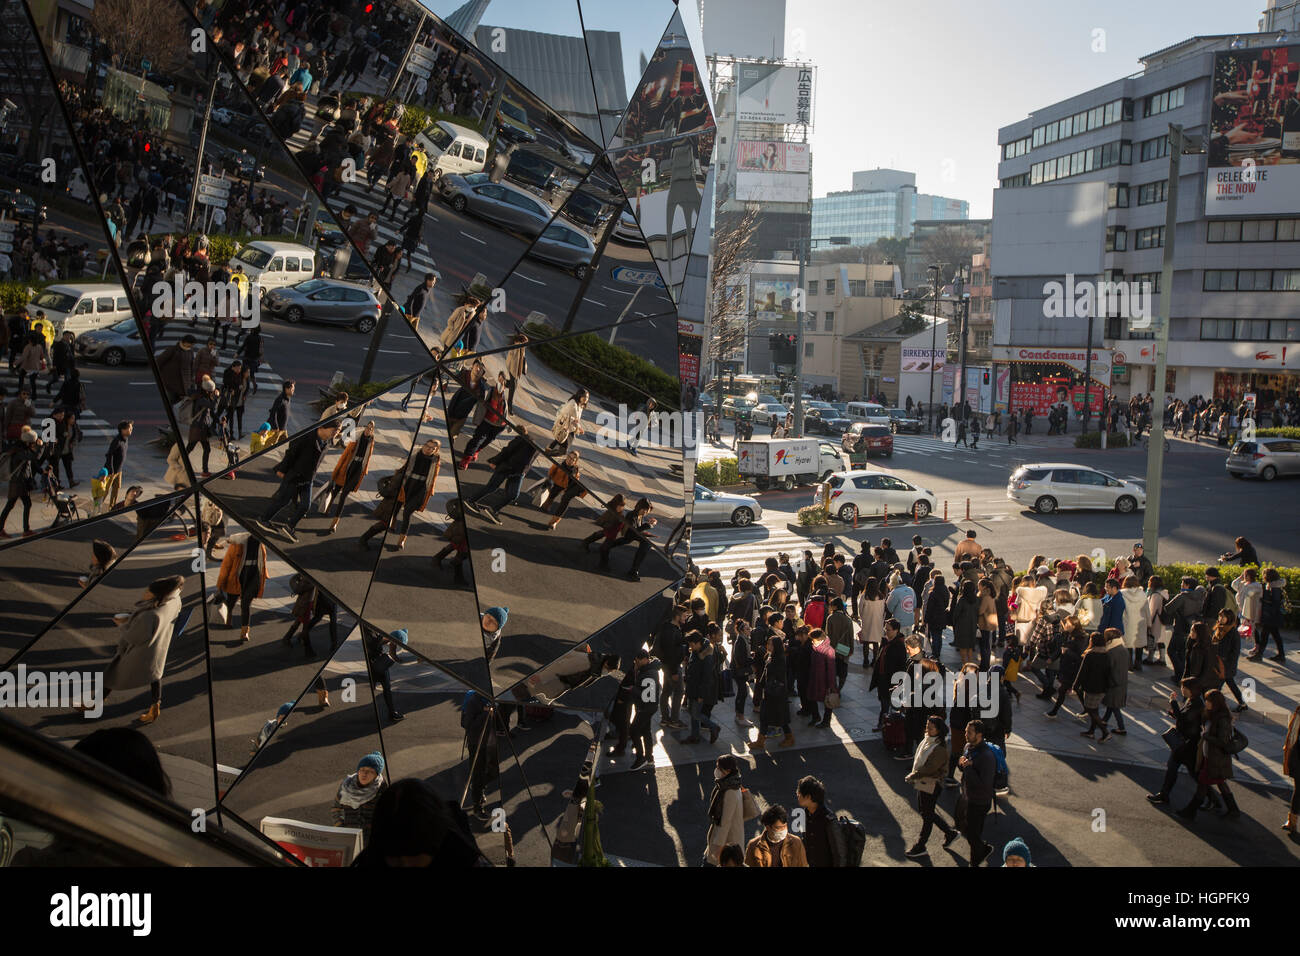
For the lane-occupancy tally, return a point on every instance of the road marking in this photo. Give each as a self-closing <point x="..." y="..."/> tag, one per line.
<point x="594" y="302"/>
<point x="618" y="291"/>
<point x="311" y="342"/>
<point x="392" y="352"/>
<point x="520" y="275"/>
<point x="481" y="242"/>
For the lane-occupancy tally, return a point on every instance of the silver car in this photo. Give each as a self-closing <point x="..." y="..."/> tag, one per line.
<point x="1053" y="486"/>
<point x="1264" y="458"/>
<point x="718" y="507"/>
<point x="565" y="247"/>
<point x="116" y="345"/>
<point x="500" y="203"/>
<point x="327" y="301"/>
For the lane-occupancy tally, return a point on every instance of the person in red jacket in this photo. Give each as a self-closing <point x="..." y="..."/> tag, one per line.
<point x="821" y="678"/>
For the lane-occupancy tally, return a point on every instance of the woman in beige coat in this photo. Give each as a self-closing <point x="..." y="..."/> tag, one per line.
<point x="146" y="637"/>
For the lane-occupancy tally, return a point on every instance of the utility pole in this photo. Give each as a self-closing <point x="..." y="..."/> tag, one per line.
<point x="934" y="340"/>
<point x="406" y="55"/>
<point x="1156" y="441"/>
<point x="962" y="310"/>
<point x="800" y="320"/>
<point x="203" y="140"/>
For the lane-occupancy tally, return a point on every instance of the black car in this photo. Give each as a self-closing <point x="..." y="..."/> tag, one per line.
<point x="20" y="206"/>
<point x="585" y="210"/>
<point x="902" y="421"/>
<point x="530" y="169"/>
<point x="815" y="424"/>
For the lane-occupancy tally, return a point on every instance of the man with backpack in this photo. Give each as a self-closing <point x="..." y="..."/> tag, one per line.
<point x="822" y="841"/>
<point x="978" y="766"/>
<point x="1181" y="612"/>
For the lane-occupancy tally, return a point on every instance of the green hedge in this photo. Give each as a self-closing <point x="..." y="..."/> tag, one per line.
<point x="587" y="358"/>
<point x="813" y="514"/>
<point x="1093" y="440"/>
<point x="1289" y="431"/>
<point x="722" y="471"/>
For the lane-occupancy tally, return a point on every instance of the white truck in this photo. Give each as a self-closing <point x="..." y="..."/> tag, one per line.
<point x="786" y="462"/>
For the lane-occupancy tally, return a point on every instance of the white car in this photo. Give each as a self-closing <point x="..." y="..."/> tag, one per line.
<point x="861" y="492"/>
<point x="1051" y="486"/>
<point x="765" y="413"/>
<point x="718" y="507"/>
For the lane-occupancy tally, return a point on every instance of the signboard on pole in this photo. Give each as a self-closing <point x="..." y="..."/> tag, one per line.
<point x="213" y="191"/>
<point x="774" y="93"/>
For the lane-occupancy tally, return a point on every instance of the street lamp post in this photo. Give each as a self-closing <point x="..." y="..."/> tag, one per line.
<point x="1156" y="441"/>
<point x="962" y="314"/>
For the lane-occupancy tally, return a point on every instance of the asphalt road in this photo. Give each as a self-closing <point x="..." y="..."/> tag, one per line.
<point x="661" y="817"/>
<point x="1202" y="510"/>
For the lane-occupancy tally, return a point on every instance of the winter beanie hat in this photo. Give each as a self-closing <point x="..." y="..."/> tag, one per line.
<point x="375" y="761"/>
<point x="284" y="709"/>
<point x="399" y="635"/>
<point x="1017" y="847"/>
<point x="499" y="614"/>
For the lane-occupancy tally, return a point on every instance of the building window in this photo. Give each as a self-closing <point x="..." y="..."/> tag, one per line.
<point x="812" y="286"/>
<point x="1116" y="195"/>
<point x="1152" y="237"/>
<point x="828" y="322"/>
<point x="1251" y="280"/>
<point x="1116" y="239"/>
<point x="1216" y="330"/>
<point x="1158" y="103"/>
<point x="982" y="338"/>
<point x="1286" y="280"/>
<point x="883" y="289"/>
<point x="1149" y="193"/>
<point x="807" y="350"/>
<point x="830" y="286"/>
<point x="858" y="287"/>
<point x="1253" y="230"/>
<point x="1156" y="148"/>
<point x="1149" y="278"/>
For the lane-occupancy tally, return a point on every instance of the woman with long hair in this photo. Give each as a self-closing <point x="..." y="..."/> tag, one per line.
<point x="1214" y="757"/>
<point x="141" y="653"/>
<point x="1227" y="640"/>
<point x="988" y="620"/>
<point x="871" y="611"/>
<point x="965" y="621"/>
<point x="1159" y="632"/>
<point x="929" y="766"/>
<point x="1092" y="682"/>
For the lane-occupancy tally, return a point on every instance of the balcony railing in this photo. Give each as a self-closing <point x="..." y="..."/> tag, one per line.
<point x="69" y="57"/>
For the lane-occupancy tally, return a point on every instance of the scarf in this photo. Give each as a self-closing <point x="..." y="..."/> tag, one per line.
<point x="923" y="752"/>
<point x="353" y="795"/>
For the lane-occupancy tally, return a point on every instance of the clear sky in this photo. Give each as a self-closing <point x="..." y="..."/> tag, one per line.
<point x="925" y="85"/>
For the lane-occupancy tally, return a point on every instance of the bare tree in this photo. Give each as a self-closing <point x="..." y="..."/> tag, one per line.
<point x="137" y="30"/>
<point x="950" y="246"/>
<point x="27" y="83"/>
<point x="733" y="238"/>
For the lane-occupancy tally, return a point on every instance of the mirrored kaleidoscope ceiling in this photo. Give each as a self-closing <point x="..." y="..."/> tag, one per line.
<point x="381" y="470"/>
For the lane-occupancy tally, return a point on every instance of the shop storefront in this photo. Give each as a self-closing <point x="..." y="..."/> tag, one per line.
<point x="1226" y="370"/>
<point x="1040" y="378"/>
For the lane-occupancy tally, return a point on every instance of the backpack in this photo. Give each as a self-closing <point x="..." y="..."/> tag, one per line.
<point x="854" y="837"/>
<point x="1230" y="602"/>
<point x="1002" y="773"/>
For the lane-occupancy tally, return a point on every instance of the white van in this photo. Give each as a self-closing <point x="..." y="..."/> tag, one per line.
<point x="453" y="149"/>
<point x="868" y="412"/>
<point x="273" y="265"/>
<point x="788" y="399"/>
<point x="80" y="308"/>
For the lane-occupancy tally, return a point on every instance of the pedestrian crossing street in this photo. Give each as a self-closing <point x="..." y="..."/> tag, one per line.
<point x="728" y="550"/>
<point x="92" y="426"/>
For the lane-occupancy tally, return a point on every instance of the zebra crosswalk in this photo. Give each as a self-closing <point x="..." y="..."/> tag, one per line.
<point x="730" y="549"/>
<point x="92" y="426"/>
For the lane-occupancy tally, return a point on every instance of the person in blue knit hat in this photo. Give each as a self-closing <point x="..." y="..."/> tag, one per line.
<point x="354" y="804"/>
<point x="269" y="727"/>
<point x="494" y="622"/>
<point x="1016" y="853"/>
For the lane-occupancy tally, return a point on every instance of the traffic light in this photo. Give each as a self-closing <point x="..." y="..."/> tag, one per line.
<point x="773" y="342"/>
<point x="792" y="340"/>
<point x="986" y="377"/>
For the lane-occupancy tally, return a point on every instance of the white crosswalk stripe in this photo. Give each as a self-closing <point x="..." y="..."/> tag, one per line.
<point x="730" y="549"/>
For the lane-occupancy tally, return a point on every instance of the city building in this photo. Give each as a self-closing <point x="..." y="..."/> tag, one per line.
<point x="882" y="204"/>
<point x="952" y="243"/>
<point x="902" y="358"/>
<point x="844" y="299"/>
<point x="1082" y="200"/>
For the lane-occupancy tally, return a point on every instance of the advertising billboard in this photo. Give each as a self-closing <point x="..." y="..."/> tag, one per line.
<point x="773" y="298"/>
<point x="772" y="187"/>
<point x="1254" y="146"/>
<point x="769" y="156"/>
<point x="773" y="93"/>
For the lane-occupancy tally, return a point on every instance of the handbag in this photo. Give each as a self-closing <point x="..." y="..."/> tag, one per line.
<point x="1174" y="738"/>
<point x="833" y="700"/>
<point x="325" y="498"/>
<point x="1238" y="743"/>
<point x="749" y="806"/>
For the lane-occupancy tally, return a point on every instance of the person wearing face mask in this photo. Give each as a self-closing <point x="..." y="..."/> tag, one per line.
<point x="726" y="809"/>
<point x="776" y="846"/>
